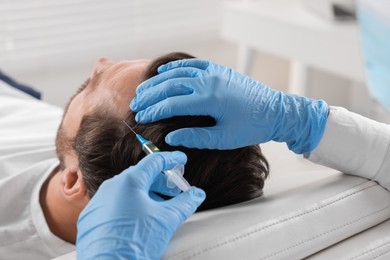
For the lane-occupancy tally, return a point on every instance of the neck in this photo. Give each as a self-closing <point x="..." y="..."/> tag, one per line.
<point x="60" y="215"/>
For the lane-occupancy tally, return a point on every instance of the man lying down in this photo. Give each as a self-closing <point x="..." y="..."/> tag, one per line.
<point x="92" y="145"/>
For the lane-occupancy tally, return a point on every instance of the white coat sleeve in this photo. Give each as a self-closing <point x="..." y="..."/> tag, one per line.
<point x="355" y="145"/>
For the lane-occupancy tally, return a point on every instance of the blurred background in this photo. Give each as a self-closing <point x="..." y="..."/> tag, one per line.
<point x="303" y="47"/>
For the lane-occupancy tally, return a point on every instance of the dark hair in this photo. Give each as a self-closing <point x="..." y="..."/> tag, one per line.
<point x="105" y="147"/>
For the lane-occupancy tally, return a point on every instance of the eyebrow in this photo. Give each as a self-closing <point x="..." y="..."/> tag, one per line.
<point x="80" y="89"/>
<point x="94" y="81"/>
<point x="87" y="83"/>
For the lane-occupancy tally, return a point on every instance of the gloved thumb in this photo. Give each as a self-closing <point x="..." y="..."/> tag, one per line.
<point x="201" y="138"/>
<point x="187" y="202"/>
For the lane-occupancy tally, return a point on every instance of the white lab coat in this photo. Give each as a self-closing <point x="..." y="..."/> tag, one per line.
<point x="351" y="143"/>
<point x="27" y="157"/>
<point x="355" y="145"/>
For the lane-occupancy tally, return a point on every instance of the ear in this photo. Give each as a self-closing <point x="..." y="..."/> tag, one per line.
<point x="72" y="185"/>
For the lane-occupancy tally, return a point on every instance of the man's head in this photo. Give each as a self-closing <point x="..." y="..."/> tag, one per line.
<point x="108" y="88"/>
<point x="97" y="144"/>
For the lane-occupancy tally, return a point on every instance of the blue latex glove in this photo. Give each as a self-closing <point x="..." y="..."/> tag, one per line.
<point x="125" y="220"/>
<point x="246" y="111"/>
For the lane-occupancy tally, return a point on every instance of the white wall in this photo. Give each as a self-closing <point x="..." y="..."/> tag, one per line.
<point x="53" y="45"/>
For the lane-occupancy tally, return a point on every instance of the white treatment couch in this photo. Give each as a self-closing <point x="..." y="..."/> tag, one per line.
<point x="315" y="213"/>
<point x="307" y="211"/>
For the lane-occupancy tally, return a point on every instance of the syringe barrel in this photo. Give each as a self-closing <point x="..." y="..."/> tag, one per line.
<point x="150" y="148"/>
<point x="175" y="175"/>
<point x="177" y="178"/>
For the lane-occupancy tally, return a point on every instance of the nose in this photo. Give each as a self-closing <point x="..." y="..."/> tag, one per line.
<point x="100" y="65"/>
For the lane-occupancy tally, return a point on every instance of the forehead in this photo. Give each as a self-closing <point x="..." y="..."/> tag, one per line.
<point x="118" y="82"/>
<point x="113" y="88"/>
<point x="132" y="70"/>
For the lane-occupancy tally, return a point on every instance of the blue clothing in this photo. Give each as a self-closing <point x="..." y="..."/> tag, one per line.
<point x="22" y="87"/>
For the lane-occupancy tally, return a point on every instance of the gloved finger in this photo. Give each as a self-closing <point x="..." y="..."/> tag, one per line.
<point x="201" y="138"/>
<point x="194" y="63"/>
<point x="155" y="197"/>
<point x="186" y="203"/>
<point x="162" y="77"/>
<point x="170" y="107"/>
<point x="174" y="87"/>
<point x="160" y="186"/>
<point x="144" y="174"/>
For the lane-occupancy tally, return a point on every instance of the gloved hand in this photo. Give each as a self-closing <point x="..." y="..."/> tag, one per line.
<point x="246" y="111"/>
<point x="126" y="220"/>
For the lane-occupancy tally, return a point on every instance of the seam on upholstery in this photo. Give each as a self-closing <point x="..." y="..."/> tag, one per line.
<point x="384" y="253"/>
<point x="325" y="233"/>
<point x="372" y="250"/>
<point x="283" y="220"/>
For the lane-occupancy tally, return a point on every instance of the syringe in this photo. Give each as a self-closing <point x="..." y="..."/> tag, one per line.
<point x="175" y="175"/>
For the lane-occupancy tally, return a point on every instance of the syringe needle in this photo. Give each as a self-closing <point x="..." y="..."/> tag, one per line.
<point x="175" y="175"/>
<point x="129" y="127"/>
<point x="142" y="140"/>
